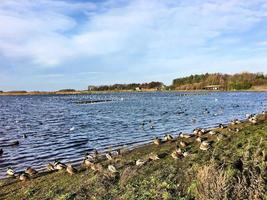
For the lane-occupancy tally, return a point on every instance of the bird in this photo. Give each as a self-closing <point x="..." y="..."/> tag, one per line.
<point x="72" y="128"/>
<point x="198" y="139"/>
<point x="212" y="132"/>
<point x="97" y="167"/>
<point x="112" y="169"/>
<point x="168" y="137"/>
<point x="15" y="143"/>
<point x="30" y="171"/>
<point x="183" y="144"/>
<point x="24" y="135"/>
<point x="1" y="152"/>
<point x="59" y="165"/>
<point x="10" y="172"/>
<point x="157" y="141"/>
<point x="117" y="152"/>
<point x="140" y="162"/>
<point x="24" y="177"/>
<point x="153" y="156"/>
<point x="185" y="154"/>
<point x="109" y="156"/>
<point x="50" y="167"/>
<point x="176" y="155"/>
<point x="221" y="126"/>
<point x="71" y="170"/>
<point x="205" y="145"/>
<point x="182" y="135"/>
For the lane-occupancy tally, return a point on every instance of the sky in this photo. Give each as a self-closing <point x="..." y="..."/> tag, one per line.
<point x="54" y="44"/>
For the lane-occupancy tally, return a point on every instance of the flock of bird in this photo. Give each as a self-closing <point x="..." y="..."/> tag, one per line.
<point x="93" y="160"/>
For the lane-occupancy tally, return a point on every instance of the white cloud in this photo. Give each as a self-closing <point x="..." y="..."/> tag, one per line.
<point x="50" y="33"/>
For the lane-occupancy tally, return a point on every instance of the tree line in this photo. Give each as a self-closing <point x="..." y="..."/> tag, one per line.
<point x="239" y="81"/>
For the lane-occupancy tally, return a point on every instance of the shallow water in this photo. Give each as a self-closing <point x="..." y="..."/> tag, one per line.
<point x="57" y="127"/>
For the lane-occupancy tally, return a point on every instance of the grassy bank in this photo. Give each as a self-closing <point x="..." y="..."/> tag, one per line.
<point x="233" y="168"/>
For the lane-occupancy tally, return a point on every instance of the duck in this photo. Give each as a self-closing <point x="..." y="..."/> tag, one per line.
<point x="50" y="167"/>
<point x="109" y="156"/>
<point x="168" y="137"/>
<point x="15" y="143"/>
<point x="157" y="141"/>
<point x="153" y="156"/>
<point x="10" y="172"/>
<point x="30" y="171"/>
<point x="71" y="170"/>
<point x="59" y="165"/>
<point x="1" y="152"/>
<point x="112" y="169"/>
<point x="140" y="162"/>
<point x="24" y="177"/>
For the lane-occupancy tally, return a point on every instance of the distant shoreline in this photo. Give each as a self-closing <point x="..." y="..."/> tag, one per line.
<point x="117" y="91"/>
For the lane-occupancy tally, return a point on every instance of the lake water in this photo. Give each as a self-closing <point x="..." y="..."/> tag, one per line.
<point x="59" y="128"/>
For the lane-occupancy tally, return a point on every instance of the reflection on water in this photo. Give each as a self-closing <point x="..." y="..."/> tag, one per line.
<point x="56" y="127"/>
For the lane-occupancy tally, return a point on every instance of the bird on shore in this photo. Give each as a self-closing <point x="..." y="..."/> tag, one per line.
<point x="97" y="167"/>
<point x="153" y="156"/>
<point x="176" y="155"/>
<point x="212" y="132"/>
<point x="71" y="170"/>
<point x="50" y="167"/>
<point x="112" y="169"/>
<point x="182" y="135"/>
<point x="87" y="163"/>
<point x="185" y="154"/>
<point x="157" y="141"/>
<point x="117" y="152"/>
<point x="59" y="165"/>
<point x="24" y="177"/>
<point x="168" y="137"/>
<point x="140" y="162"/>
<point x="198" y="139"/>
<point x="95" y="153"/>
<point x="1" y="152"/>
<point x="10" y="172"/>
<point x="205" y="145"/>
<point x="31" y="171"/>
<point x="221" y="126"/>
<point x="109" y="156"/>
<point x="183" y="144"/>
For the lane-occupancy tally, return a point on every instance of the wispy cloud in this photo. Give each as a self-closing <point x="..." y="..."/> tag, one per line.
<point x="150" y="36"/>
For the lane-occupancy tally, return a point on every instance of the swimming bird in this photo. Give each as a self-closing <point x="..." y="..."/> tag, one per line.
<point x="71" y="170"/>
<point x="112" y="169"/>
<point x="140" y="162"/>
<point x="30" y="171"/>
<point x="10" y="172"/>
<point x="24" y="135"/>
<point x="50" y="167"/>
<point x="157" y="141"/>
<point x="24" y="177"/>
<point x="59" y="165"/>
<point x="72" y="128"/>
<point x="15" y="143"/>
<point x="1" y="152"/>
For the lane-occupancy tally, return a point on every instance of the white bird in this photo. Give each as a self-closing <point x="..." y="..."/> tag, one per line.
<point x="72" y="128"/>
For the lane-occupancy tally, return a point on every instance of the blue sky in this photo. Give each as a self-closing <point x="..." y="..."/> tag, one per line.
<point x="55" y="44"/>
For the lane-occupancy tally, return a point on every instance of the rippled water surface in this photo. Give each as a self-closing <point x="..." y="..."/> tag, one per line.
<point x="59" y="128"/>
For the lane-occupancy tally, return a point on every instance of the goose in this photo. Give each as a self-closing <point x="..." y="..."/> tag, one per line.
<point x="182" y="135"/>
<point x="50" y="167"/>
<point x="109" y="156"/>
<point x="185" y="154"/>
<point x="112" y="169"/>
<point x="1" y="152"/>
<point x="117" y="152"/>
<point x="198" y="139"/>
<point x="59" y="165"/>
<point x="140" y="162"/>
<point x="183" y="144"/>
<point x="30" y="171"/>
<point x="205" y="145"/>
<point x="168" y="137"/>
<point x="212" y="132"/>
<point x="153" y="156"/>
<point x="97" y="167"/>
<point x="221" y="126"/>
<point x="24" y="177"/>
<point x="176" y="155"/>
<point x="157" y="141"/>
<point x="15" y="143"/>
<point x="10" y="172"/>
<point x="71" y="170"/>
<point x="24" y="135"/>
